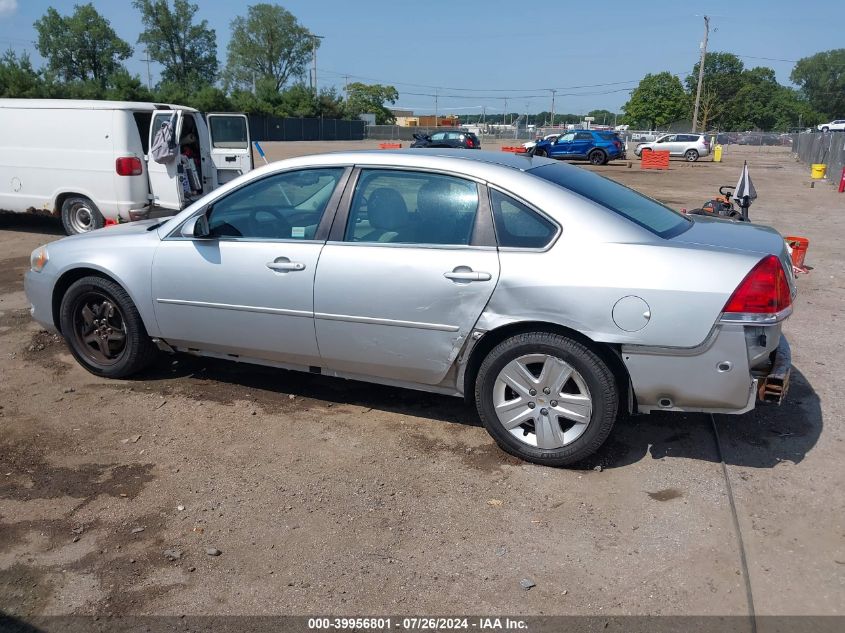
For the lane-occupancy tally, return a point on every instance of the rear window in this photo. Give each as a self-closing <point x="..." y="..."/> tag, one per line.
<point x="608" y="136"/>
<point x="142" y="120"/>
<point x="648" y="213"/>
<point x="228" y="132"/>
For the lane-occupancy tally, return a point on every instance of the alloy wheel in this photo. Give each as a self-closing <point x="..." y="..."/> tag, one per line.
<point x="99" y="328"/>
<point x="542" y="401"/>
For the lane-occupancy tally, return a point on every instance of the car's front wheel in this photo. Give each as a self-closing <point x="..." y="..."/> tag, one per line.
<point x="546" y="398"/>
<point x="825" y="129"/>
<point x="539" y="151"/>
<point x="691" y="155"/>
<point x="103" y="329"/>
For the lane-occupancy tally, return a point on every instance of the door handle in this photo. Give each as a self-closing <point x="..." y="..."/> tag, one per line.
<point x="285" y="266"/>
<point x="467" y="275"/>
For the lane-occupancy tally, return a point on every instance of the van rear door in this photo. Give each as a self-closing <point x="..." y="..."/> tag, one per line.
<point x="231" y="152"/>
<point x="165" y="185"/>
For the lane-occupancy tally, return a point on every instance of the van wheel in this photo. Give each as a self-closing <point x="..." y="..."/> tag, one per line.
<point x="546" y="398"/>
<point x="80" y="215"/>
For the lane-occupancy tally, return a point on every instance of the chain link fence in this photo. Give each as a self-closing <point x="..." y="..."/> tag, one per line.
<point x="821" y="149"/>
<point x="271" y="128"/>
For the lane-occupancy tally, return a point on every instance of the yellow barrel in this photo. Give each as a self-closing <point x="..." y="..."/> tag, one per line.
<point x="717" y="154"/>
<point x="818" y="171"/>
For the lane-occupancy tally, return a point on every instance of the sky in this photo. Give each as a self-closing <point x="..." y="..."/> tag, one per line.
<point x="475" y="54"/>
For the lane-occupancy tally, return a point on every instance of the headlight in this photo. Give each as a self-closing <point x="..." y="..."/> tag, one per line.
<point x="38" y="258"/>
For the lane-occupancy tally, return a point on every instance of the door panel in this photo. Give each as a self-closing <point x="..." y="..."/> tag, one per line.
<point x="399" y="295"/>
<point x="232" y="297"/>
<point x="231" y="152"/>
<point x="391" y="311"/>
<point x="164" y="178"/>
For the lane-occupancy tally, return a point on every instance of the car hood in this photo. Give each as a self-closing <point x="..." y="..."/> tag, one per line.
<point x="129" y="228"/>
<point x="742" y="236"/>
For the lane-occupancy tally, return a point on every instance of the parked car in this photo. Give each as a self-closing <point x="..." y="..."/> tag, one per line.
<point x="456" y="139"/>
<point x="836" y="125"/>
<point x="598" y="147"/>
<point x="88" y="161"/>
<point x="554" y="298"/>
<point x="727" y="138"/>
<point x="690" y="146"/>
<point x="548" y="137"/>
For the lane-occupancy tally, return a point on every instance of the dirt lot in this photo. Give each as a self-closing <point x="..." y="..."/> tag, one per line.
<point x="333" y="497"/>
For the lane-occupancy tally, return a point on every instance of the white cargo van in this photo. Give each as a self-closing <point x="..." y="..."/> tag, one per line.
<point x="87" y="161"/>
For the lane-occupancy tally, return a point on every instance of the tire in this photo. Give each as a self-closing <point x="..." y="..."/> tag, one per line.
<point x="80" y="215"/>
<point x="597" y="157"/>
<point x="825" y="129"/>
<point x="107" y="341"/>
<point x="691" y="155"/>
<point x="540" y="152"/>
<point x="590" y="391"/>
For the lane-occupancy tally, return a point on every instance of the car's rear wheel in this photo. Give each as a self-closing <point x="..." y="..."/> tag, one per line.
<point x="546" y="398"/>
<point x="825" y="129"/>
<point x="597" y="157"/>
<point x="103" y="329"/>
<point x="80" y="215"/>
<point x="691" y="155"/>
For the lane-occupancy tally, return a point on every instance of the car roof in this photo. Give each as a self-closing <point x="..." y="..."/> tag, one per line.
<point x="89" y="104"/>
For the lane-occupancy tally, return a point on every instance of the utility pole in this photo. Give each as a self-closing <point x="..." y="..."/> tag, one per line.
<point x="700" y="73"/>
<point x="436" y="121"/>
<point x="505" y="113"/>
<point x="553" y="107"/>
<point x="346" y="87"/>
<point x="314" y="39"/>
<point x="149" y="74"/>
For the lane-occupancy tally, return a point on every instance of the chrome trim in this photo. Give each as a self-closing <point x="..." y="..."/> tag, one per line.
<point x="750" y="318"/>
<point x="441" y="327"/>
<point x="241" y="308"/>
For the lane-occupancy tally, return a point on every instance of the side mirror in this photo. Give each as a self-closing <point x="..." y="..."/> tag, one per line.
<point x="197" y="227"/>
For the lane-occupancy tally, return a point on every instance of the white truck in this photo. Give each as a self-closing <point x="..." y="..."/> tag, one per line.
<point x="88" y="161"/>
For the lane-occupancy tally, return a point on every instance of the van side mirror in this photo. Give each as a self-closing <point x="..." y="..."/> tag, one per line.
<point x="197" y="227"/>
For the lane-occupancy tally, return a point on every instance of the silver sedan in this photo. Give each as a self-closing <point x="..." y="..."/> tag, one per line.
<point x="554" y="298"/>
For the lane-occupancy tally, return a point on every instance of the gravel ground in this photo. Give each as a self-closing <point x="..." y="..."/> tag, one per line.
<point x="326" y="496"/>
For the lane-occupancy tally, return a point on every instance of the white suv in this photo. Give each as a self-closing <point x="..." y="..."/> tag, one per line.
<point x="834" y="126"/>
<point x="690" y="146"/>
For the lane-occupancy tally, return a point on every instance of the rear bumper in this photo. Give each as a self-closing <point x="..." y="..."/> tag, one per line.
<point x="722" y="375"/>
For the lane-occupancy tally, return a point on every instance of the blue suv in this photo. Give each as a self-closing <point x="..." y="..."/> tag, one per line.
<point x="598" y="147"/>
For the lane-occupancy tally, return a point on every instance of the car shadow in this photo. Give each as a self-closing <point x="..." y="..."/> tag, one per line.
<point x="761" y="438"/>
<point x="31" y="222"/>
<point x="226" y="381"/>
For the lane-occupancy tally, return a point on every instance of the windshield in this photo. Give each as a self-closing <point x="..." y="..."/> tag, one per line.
<point x="641" y="210"/>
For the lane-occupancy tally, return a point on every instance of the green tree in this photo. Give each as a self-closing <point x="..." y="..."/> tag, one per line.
<point x="186" y="49"/>
<point x="80" y="46"/>
<point x="723" y="79"/>
<point x="602" y="117"/>
<point x="657" y="101"/>
<point x="269" y="43"/>
<point x="370" y="99"/>
<point x="18" y="79"/>
<point x="822" y="79"/>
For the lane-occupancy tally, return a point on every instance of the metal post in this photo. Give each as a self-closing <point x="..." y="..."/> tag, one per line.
<point x="700" y="73"/>
<point x="314" y="39"/>
<point x="435" y="109"/>
<point x="553" y="107"/>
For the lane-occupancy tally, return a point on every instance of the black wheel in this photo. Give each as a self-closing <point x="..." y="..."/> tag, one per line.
<point x="103" y="329"/>
<point x="825" y="129"/>
<point x="80" y="215"/>
<point x="546" y="398"/>
<point x="540" y="152"/>
<point x="597" y="157"/>
<point x="691" y="155"/>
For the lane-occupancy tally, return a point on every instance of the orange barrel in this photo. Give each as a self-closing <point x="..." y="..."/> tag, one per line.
<point x="799" y="249"/>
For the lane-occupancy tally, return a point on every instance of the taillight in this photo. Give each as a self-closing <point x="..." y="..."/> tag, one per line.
<point x="764" y="290"/>
<point x="128" y="166"/>
<point x="469" y="142"/>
